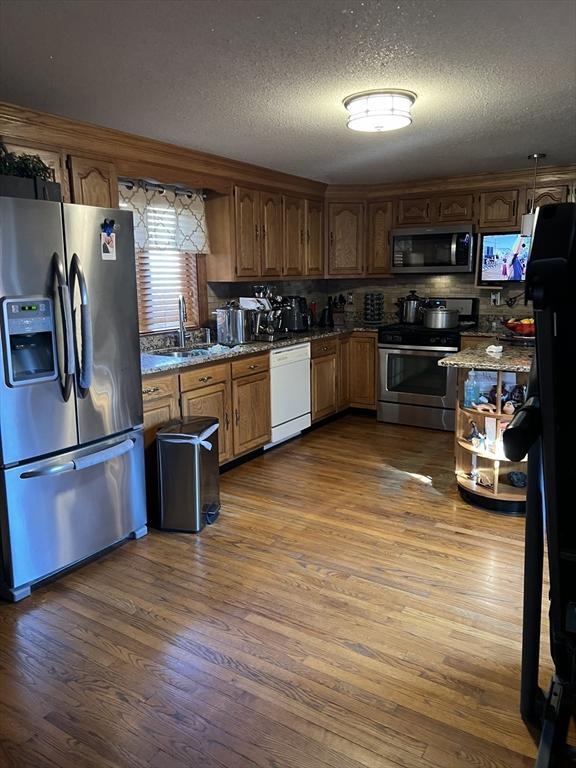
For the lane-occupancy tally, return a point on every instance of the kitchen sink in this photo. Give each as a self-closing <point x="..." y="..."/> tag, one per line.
<point x="181" y="353"/>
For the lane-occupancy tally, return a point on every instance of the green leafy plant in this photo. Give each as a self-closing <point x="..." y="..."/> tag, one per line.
<point x="25" y="166"/>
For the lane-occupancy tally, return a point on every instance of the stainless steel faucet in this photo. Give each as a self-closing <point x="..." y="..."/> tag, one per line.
<point x="182" y="317"/>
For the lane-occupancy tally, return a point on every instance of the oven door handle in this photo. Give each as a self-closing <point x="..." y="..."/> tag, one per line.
<point x="438" y="352"/>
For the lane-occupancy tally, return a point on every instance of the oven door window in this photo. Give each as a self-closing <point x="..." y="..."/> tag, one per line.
<point x="415" y="375"/>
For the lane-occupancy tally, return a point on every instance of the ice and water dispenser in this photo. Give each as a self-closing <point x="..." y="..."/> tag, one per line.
<point x="29" y="340"/>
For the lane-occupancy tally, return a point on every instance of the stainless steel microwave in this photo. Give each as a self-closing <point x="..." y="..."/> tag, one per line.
<point x="433" y="250"/>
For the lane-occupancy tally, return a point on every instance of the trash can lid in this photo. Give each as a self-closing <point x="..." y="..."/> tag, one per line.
<point x="188" y="427"/>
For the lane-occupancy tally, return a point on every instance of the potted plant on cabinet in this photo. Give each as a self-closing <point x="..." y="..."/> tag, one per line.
<point x="26" y="176"/>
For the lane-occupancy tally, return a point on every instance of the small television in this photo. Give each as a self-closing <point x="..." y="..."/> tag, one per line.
<point x="502" y="257"/>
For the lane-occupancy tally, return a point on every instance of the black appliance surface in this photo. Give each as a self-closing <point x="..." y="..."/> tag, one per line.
<point x="418" y="336"/>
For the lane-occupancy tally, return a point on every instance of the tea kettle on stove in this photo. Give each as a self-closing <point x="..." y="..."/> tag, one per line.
<point x="409" y="308"/>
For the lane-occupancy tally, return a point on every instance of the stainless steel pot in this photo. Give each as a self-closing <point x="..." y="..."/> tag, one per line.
<point x="439" y="317"/>
<point x="234" y="325"/>
<point x="409" y="308"/>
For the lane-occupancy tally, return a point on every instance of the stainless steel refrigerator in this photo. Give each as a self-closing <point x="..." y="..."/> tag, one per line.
<point x="72" y="457"/>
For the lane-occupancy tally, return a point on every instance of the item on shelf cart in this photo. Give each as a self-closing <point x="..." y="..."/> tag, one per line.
<point x="484" y="407"/>
<point x="517" y="479"/>
<point x="484" y="480"/>
<point x="471" y="390"/>
<point x="517" y="395"/>
<point x="509" y="407"/>
<point x="493" y="394"/>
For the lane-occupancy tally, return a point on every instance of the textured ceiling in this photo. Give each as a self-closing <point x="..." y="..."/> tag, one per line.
<point x="263" y="80"/>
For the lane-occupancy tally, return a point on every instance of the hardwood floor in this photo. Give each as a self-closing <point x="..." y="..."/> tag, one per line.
<point x="348" y="610"/>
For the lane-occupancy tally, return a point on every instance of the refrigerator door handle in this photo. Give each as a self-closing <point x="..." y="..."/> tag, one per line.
<point x="87" y="356"/>
<point x="66" y="315"/>
<point x="54" y="469"/>
<point x="83" y="462"/>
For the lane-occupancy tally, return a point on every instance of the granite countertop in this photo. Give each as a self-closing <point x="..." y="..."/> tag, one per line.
<point x="518" y="359"/>
<point x="150" y="363"/>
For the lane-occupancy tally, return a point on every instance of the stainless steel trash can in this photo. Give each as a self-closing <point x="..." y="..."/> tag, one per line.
<point x="188" y="474"/>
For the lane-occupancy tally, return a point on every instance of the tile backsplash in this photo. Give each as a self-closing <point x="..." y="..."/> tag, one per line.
<point x="461" y="286"/>
<point x="392" y="288"/>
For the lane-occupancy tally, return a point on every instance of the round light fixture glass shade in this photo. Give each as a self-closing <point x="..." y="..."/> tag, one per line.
<point x="377" y="111"/>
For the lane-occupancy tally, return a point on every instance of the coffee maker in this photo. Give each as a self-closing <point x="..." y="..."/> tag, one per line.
<point x="296" y="314"/>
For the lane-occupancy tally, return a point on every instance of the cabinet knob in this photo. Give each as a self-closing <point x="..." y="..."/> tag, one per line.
<point x="227" y="420"/>
<point x="150" y="390"/>
<point x="237" y="415"/>
<point x="256" y="231"/>
<point x="204" y="378"/>
<point x="308" y="236"/>
<point x="251" y="367"/>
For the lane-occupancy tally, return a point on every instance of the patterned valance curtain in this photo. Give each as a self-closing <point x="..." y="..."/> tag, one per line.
<point x="169" y="232"/>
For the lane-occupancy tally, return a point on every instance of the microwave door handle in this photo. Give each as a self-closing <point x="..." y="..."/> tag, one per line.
<point x="67" y="325"/>
<point x="453" y="247"/>
<point x="87" y="355"/>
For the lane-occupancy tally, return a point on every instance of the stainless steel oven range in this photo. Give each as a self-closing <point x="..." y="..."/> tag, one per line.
<point x="412" y="388"/>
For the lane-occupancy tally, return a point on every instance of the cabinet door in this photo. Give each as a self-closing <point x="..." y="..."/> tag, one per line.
<point x="294" y="210"/>
<point x="499" y="209"/>
<point x="213" y="401"/>
<point x="323" y="386"/>
<point x="380" y="221"/>
<point x="247" y="207"/>
<point x="251" y="400"/>
<point x="454" y="208"/>
<point x="363" y="371"/>
<point x="157" y="413"/>
<point x="345" y="238"/>
<point x="546" y="196"/>
<point x="53" y="159"/>
<point x="314" y="238"/>
<point x="94" y="182"/>
<point x="343" y="383"/>
<point x="272" y="233"/>
<point x="413" y="210"/>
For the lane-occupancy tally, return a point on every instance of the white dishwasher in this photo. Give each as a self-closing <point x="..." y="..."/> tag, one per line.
<point x="289" y="391"/>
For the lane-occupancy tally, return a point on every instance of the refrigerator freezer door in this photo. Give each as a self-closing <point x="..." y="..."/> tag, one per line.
<point x="65" y="509"/>
<point x="35" y="419"/>
<point x="106" y="321"/>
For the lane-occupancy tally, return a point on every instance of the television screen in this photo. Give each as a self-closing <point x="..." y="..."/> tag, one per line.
<point x="503" y="257"/>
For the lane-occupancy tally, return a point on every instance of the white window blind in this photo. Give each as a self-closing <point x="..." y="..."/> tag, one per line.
<point x="169" y="232"/>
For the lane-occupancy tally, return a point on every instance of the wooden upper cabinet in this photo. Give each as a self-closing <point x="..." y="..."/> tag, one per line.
<point x="271" y="233"/>
<point x="94" y="182"/>
<point x="454" y="208"/>
<point x="414" y="210"/>
<point x="251" y="401"/>
<point x="54" y="159"/>
<point x="314" y="260"/>
<point x="247" y="207"/>
<point x="380" y="222"/>
<point x="499" y="209"/>
<point x="345" y="238"/>
<point x="546" y="196"/>
<point x="294" y="235"/>
<point x="363" y="351"/>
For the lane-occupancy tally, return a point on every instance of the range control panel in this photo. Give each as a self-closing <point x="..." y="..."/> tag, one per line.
<point x="29" y="340"/>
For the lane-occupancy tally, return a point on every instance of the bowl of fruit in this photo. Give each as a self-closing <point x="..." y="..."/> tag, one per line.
<point x="523" y="327"/>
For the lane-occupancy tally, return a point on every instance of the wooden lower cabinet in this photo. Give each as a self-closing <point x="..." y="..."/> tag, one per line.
<point x="251" y="404"/>
<point x="160" y="401"/>
<point x="343" y="382"/>
<point x="363" y="351"/>
<point x="323" y="386"/>
<point x="215" y="401"/>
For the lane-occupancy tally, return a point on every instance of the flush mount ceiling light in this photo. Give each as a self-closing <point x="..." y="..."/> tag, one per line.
<point x="378" y="111"/>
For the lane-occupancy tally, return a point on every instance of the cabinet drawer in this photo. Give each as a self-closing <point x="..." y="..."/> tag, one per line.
<point x="322" y="347"/>
<point x="246" y="366"/>
<point x="155" y="387"/>
<point x="204" y="377"/>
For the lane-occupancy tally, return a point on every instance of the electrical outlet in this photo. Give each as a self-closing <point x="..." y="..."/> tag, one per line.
<point x="495" y="298"/>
